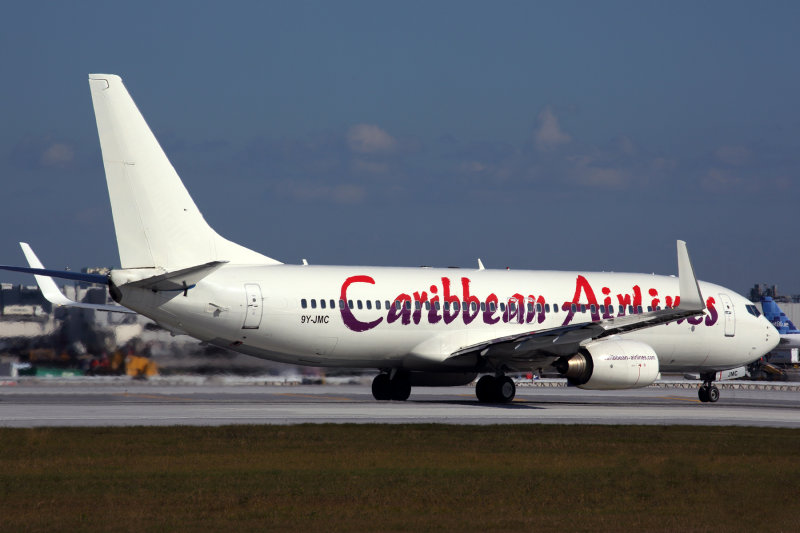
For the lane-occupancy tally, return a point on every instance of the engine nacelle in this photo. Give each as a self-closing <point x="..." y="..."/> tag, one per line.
<point x="610" y="365"/>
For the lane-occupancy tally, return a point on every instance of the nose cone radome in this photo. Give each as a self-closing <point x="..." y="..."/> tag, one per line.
<point x="771" y="337"/>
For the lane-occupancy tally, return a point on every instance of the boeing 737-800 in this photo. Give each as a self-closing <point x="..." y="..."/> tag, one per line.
<point x="418" y="326"/>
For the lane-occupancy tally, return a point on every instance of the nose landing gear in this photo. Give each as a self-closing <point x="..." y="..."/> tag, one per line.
<point x="708" y="392"/>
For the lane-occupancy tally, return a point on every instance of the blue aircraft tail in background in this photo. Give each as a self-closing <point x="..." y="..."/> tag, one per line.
<point x="774" y="314"/>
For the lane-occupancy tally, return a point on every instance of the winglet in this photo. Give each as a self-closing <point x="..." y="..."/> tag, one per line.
<point x="480" y="264"/>
<point x="689" y="288"/>
<point x="52" y="293"/>
<point x="46" y="283"/>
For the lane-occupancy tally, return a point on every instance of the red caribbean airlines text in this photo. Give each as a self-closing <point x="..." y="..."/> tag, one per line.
<point x="449" y="303"/>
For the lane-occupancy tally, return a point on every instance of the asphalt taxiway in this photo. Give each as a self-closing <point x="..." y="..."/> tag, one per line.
<point x="128" y="403"/>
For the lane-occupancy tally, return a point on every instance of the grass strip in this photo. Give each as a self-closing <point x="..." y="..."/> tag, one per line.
<point x="399" y="478"/>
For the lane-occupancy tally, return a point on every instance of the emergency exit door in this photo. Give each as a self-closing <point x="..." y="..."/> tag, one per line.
<point x="255" y="308"/>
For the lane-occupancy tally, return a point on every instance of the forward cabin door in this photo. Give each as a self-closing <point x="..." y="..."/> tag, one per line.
<point x="730" y="318"/>
<point x="252" y="318"/>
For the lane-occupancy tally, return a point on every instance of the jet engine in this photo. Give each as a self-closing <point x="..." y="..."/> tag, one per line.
<point x="611" y="365"/>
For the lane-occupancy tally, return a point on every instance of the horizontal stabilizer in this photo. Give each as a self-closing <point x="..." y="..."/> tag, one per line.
<point x="179" y="280"/>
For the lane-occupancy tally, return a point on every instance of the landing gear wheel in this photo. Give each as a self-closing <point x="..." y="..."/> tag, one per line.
<point x="381" y="387"/>
<point x="400" y="387"/>
<point x="485" y="389"/>
<point x="702" y="393"/>
<point x="506" y="390"/>
<point x="713" y="394"/>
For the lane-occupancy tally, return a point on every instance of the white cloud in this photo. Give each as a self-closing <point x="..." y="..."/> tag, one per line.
<point x="348" y="194"/>
<point x="369" y="139"/>
<point x="549" y="135"/>
<point x="319" y="192"/>
<point x="369" y="167"/>
<point x="57" y="155"/>
<point x="733" y="155"/>
<point x="717" y="180"/>
<point x="474" y="167"/>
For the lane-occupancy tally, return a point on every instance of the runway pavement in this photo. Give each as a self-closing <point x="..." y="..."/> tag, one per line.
<point x="129" y="403"/>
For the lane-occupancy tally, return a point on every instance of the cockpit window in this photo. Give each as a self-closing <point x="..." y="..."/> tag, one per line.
<point x="753" y="310"/>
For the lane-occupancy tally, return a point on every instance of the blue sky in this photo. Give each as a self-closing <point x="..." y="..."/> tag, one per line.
<point x="552" y="135"/>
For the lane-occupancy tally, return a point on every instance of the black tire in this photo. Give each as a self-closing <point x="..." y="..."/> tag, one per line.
<point x="485" y="389"/>
<point x="702" y="393"/>
<point x="505" y="389"/>
<point x="381" y="387"/>
<point x="713" y="394"/>
<point x="400" y="387"/>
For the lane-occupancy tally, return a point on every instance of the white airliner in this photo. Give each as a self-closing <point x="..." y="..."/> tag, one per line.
<point x="418" y="326"/>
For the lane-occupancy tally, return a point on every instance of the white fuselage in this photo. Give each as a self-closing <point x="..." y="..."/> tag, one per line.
<point x="338" y="316"/>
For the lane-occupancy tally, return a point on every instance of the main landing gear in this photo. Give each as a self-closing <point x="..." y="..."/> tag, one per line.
<point x="708" y="392"/>
<point x="495" y="389"/>
<point x="391" y="386"/>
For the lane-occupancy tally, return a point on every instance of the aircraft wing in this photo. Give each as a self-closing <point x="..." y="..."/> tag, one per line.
<point x="52" y="293"/>
<point x="566" y="340"/>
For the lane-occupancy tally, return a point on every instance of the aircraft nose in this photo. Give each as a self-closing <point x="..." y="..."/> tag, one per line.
<point x="771" y="337"/>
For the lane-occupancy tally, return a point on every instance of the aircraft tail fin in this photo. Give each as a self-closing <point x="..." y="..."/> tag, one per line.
<point x="156" y="221"/>
<point x="774" y="314"/>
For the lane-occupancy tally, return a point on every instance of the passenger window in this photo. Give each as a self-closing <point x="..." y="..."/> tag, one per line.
<point x="438" y="306"/>
<point x="502" y="307"/>
<point x="322" y="304"/>
<point x="649" y="308"/>
<point x="512" y="306"/>
<point x="341" y="304"/>
<point x="630" y="309"/>
<point x="492" y="307"/>
<point x="592" y="309"/>
<point x="303" y="303"/>
<point x="474" y="306"/>
<point x="417" y="305"/>
<point x="333" y="304"/>
<point x="427" y="306"/>
<point x="547" y="308"/>
<point x="530" y="308"/>
<point x="398" y="305"/>
<point x="388" y="305"/>
<point x="621" y="310"/>
<point x="313" y="303"/>
<point x="573" y="307"/>
<point x="369" y="304"/>
<point x="639" y="309"/>
<point x="408" y="305"/>
<point x="603" y="309"/>
<point x="358" y="303"/>
<point x="350" y="304"/>
<point x="447" y="306"/>
<point x="483" y="306"/>
<point x="377" y="304"/>
<point x="583" y="308"/>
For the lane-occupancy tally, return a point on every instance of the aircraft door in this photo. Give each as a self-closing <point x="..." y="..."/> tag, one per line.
<point x="255" y="308"/>
<point x="728" y="313"/>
